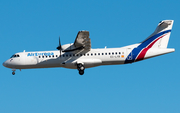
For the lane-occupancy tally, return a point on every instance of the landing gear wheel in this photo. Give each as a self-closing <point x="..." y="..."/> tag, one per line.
<point x="80" y="68"/>
<point x="81" y="72"/>
<point x="13" y="73"/>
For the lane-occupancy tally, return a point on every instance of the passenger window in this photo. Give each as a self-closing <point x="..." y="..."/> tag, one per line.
<point x="39" y="56"/>
<point x="98" y="53"/>
<point x="116" y="53"/>
<point x="63" y="55"/>
<point x="109" y="53"/>
<point x="94" y="53"/>
<point x="105" y="53"/>
<point x="49" y="56"/>
<point x="80" y="54"/>
<point x="119" y="52"/>
<point x="102" y="53"/>
<point x="46" y="56"/>
<point x="66" y="55"/>
<point x="91" y="54"/>
<point x="112" y="53"/>
<point x="87" y="54"/>
<point x="56" y="56"/>
<point x="42" y="56"/>
<point x="53" y="56"/>
<point x="73" y="54"/>
<point x="17" y="55"/>
<point x="70" y="55"/>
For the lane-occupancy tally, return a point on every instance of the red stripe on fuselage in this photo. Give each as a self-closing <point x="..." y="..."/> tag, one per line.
<point x="144" y="51"/>
<point x="142" y="54"/>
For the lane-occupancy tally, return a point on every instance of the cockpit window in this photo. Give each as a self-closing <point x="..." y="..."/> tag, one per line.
<point x="15" y="55"/>
<point x="12" y="56"/>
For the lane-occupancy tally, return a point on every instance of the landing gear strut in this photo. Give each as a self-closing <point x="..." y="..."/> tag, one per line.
<point x="80" y="68"/>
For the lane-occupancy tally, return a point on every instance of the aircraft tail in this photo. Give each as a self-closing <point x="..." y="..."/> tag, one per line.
<point x="154" y="45"/>
<point x="160" y="37"/>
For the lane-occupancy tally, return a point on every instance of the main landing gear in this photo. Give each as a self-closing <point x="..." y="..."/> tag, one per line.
<point x="80" y="68"/>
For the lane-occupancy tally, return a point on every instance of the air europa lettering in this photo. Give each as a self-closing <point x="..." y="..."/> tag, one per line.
<point x="40" y="54"/>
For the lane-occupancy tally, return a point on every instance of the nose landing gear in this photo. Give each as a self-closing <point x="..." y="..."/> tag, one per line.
<point x="13" y="73"/>
<point x="80" y="68"/>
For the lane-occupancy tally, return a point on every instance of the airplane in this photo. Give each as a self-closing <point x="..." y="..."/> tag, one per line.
<point x="79" y="55"/>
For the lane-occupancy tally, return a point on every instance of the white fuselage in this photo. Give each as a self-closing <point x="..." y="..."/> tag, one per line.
<point x="48" y="59"/>
<point x="95" y="57"/>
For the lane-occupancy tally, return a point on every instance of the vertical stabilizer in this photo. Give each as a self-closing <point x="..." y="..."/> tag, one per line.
<point x="157" y="40"/>
<point x="160" y="37"/>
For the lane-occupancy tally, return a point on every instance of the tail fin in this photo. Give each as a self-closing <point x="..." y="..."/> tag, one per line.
<point x="157" y="42"/>
<point x="160" y="37"/>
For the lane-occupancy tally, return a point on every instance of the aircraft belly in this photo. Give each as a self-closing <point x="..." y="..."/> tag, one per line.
<point x="32" y="63"/>
<point x="91" y="62"/>
<point x="113" y="62"/>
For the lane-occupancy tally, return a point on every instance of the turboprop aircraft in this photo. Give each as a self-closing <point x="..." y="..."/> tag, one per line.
<point x="79" y="55"/>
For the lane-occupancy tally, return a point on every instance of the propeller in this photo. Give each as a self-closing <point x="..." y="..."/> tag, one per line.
<point x="59" y="47"/>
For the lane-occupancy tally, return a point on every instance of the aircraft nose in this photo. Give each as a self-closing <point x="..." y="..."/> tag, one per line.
<point x="4" y="64"/>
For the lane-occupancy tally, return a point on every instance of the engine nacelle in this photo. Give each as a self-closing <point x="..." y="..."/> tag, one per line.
<point x="68" y="47"/>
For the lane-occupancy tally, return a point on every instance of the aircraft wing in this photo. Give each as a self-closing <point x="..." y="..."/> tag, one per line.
<point x="82" y="40"/>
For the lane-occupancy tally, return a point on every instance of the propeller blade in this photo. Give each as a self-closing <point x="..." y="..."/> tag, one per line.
<point x="59" y="47"/>
<point x="59" y="41"/>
